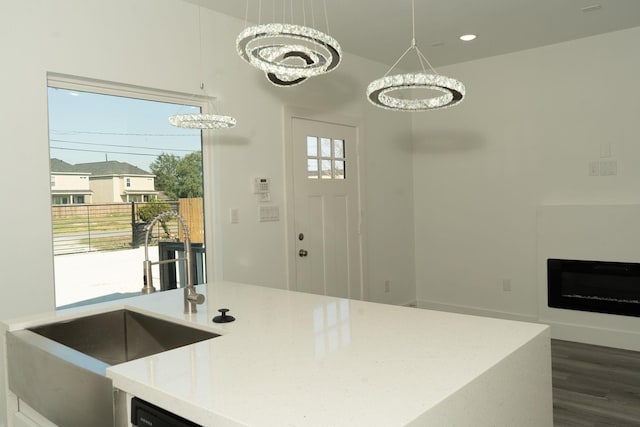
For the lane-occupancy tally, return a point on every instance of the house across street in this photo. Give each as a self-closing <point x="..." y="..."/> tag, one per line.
<point x="100" y="182"/>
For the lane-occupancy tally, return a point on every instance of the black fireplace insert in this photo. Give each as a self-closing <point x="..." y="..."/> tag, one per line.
<point x="597" y="286"/>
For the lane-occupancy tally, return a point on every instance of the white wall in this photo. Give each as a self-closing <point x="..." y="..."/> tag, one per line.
<point x="524" y="137"/>
<point x="154" y="43"/>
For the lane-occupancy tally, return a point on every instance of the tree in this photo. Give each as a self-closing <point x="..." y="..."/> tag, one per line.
<point x="164" y="167"/>
<point x="189" y="172"/>
<point x="179" y="177"/>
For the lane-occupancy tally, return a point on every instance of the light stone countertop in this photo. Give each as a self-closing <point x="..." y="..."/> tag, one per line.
<point x="296" y="359"/>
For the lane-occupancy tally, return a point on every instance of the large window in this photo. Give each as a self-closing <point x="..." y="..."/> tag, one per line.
<point x="115" y="163"/>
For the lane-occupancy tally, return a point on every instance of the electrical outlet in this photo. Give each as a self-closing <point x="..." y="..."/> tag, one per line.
<point x="387" y="285"/>
<point x="234" y="215"/>
<point x="506" y="285"/>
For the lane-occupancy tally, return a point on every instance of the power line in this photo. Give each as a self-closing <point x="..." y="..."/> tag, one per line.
<point x="119" y="146"/>
<point x="105" y="151"/>
<point x="77" y="132"/>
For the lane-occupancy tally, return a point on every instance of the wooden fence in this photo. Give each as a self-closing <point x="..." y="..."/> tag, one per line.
<point x="192" y="210"/>
<point x="112" y="226"/>
<point x="105" y="209"/>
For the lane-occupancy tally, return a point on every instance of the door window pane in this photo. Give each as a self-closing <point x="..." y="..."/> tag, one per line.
<point x="326" y="169"/>
<point x="312" y="146"/>
<point x="325" y="147"/>
<point x="312" y="168"/>
<point x="339" y="169"/>
<point x="338" y="148"/>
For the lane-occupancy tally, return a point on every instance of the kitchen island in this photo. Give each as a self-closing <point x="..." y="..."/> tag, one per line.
<point x="295" y="359"/>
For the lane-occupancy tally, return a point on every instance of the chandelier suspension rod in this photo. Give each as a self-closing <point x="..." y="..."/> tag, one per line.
<point x="210" y="120"/>
<point x="200" y="44"/>
<point x="304" y="13"/>
<point x="202" y="86"/>
<point x="326" y="16"/>
<point x="413" y="22"/>
<point x="424" y="58"/>
<point x="399" y="59"/>
<point x="246" y="14"/>
<point x="421" y="58"/>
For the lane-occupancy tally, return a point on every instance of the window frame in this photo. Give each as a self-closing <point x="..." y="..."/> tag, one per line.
<point x="83" y="84"/>
<point x="318" y="158"/>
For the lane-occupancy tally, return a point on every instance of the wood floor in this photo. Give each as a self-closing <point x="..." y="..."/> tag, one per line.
<point x="594" y="386"/>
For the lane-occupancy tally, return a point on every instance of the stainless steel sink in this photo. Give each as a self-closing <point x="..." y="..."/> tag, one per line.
<point x="59" y="368"/>
<point x="120" y="336"/>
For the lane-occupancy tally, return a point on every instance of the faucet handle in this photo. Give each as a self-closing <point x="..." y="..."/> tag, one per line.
<point x="196" y="297"/>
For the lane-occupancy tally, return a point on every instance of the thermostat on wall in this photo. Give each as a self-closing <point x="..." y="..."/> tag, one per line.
<point x="261" y="185"/>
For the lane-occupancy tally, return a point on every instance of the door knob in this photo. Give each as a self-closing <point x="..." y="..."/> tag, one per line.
<point x="303" y="253"/>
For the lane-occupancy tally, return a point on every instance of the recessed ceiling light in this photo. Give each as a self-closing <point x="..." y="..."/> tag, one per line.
<point x="468" y="37"/>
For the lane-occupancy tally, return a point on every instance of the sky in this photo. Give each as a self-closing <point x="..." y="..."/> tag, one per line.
<point x="88" y="127"/>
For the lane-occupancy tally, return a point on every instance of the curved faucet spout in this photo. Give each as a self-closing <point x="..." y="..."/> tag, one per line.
<point x="191" y="297"/>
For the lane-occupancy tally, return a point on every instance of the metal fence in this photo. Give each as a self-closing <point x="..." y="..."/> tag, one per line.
<point x="100" y="227"/>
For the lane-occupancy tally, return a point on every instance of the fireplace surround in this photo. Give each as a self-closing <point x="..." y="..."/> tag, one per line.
<point x="595" y="286"/>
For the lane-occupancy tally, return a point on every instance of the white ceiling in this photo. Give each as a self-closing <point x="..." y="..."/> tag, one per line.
<point x="381" y="29"/>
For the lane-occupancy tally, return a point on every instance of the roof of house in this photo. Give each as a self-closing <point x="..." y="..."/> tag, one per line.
<point x="58" y="165"/>
<point x="110" y="167"/>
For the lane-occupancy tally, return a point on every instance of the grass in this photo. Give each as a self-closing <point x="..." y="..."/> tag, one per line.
<point x="74" y="224"/>
<point x="107" y="243"/>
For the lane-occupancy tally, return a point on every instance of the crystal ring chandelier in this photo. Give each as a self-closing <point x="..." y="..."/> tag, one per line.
<point x="202" y="121"/>
<point x="381" y="92"/>
<point x="276" y="49"/>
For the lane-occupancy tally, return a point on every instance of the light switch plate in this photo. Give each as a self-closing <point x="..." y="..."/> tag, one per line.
<point x="269" y="213"/>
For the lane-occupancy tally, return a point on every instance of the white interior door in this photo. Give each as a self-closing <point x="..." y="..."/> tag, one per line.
<point x="326" y="209"/>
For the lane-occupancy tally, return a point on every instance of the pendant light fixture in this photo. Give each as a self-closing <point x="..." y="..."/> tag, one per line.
<point x="379" y="92"/>
<point x="202" y="120"/>
<point x="288" y="54"/>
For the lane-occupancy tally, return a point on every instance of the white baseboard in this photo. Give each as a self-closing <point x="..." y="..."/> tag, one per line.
<point x="608" y="337"/>
<point x="462" y="309"/>
<point x="617" y="338"/>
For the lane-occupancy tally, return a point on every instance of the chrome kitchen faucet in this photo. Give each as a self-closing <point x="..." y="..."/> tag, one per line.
<point x="191" y="297"/>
